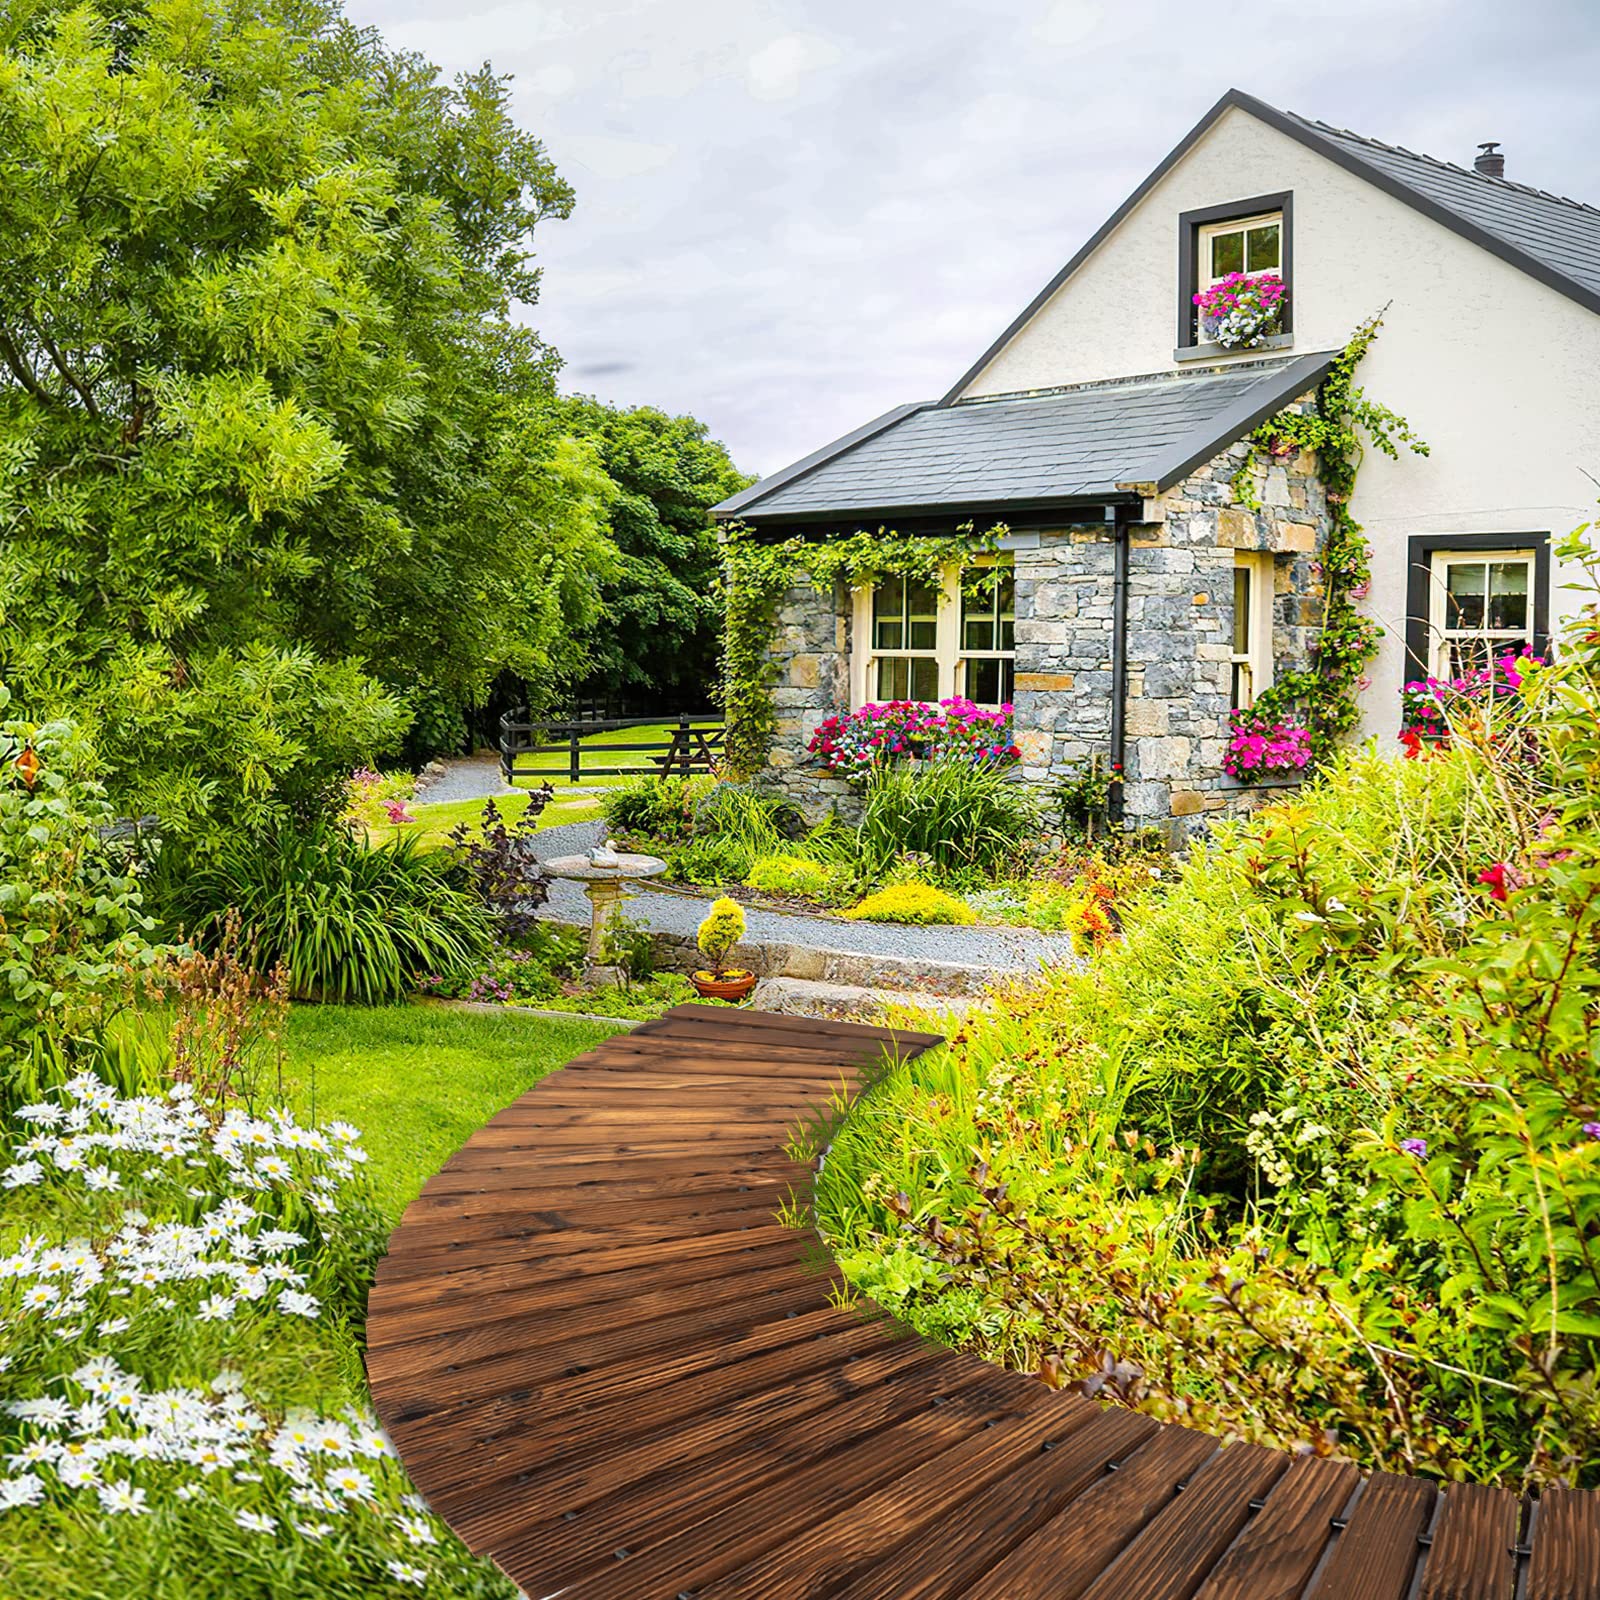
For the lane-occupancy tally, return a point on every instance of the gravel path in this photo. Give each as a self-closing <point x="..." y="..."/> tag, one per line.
<point x="466" y="778"/>
<point x="1004" y="949"/>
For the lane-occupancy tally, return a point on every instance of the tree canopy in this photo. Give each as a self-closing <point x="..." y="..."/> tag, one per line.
<point x="278" y="469"/>
<point x="659" y="633"/>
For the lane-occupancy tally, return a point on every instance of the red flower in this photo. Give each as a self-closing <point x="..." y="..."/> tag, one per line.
<point x="1412" y="740"/>
<point x="1496" y="879"/>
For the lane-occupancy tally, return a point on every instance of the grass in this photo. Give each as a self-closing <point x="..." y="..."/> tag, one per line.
<point x="419" y="1080"/>
<point x="434" y="822"/>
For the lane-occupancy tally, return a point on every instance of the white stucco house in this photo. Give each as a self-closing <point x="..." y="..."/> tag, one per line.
<point x="1147" y="599"/>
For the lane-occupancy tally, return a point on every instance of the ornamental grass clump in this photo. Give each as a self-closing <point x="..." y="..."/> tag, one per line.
<point x="965" y="818"/>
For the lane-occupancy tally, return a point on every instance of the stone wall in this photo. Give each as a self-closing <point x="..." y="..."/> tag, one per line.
<point x="1180" y="629"/>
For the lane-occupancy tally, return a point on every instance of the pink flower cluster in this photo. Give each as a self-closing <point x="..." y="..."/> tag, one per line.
<point x="906" y="729"/>
<point x="1256" y="746"/>
<point x="1426" y="703"/>
<point x="1262" y="291"/>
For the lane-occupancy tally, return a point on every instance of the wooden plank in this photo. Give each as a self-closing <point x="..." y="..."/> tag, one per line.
<point x="1376" y="1556"/>
<point x="974" y="1534"/>
<point x="1274" y="1557"/>
<point x="1060" y="1560"/>
<point x="1178" y="1548"/>
<point x="1565" y="1564"/>
<point x="817" y="1560"/>
<point x="1472" y="1554"/>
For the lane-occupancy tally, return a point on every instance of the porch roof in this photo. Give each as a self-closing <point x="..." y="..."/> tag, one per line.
<point x="1030" y="452"/>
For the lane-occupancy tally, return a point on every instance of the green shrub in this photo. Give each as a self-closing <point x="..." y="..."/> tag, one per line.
<point x="71" y="912"/>
<point x="913" y="902"/>
<point x="965" y="818"/>
<point x="347" y="922"/>
<point x="797" y="875"/>
<point x="654" y="808"/>
<point x="715" y="862"/>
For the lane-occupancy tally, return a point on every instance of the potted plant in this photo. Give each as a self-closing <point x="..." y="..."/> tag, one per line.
<point x="722" y="929"/>
<point x="1240" y="312"/>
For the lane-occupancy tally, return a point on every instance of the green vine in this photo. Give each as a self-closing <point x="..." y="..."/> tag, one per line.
<point x="758" y="573"/>
<point x="1323" y="696"/>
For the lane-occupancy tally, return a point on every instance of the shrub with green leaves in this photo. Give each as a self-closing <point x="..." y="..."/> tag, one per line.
<point x="657" y="809"/>
<point x="71" y="908"/>
<point x="348" y="922"/>
<point x="965" y="818"/>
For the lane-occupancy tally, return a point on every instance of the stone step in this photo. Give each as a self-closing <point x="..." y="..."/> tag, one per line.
<point x="807" y="997"/>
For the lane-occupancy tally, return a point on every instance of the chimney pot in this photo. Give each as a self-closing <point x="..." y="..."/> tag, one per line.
<point x="1491" y="161"/>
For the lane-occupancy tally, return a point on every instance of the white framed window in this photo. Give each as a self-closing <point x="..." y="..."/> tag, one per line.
<point x="986" y="671"/>
<point x="1250" y="245"/>
<point x="918" y="640"/>
<point x="1250" y="669"/>
<point x="1480" y="606"/>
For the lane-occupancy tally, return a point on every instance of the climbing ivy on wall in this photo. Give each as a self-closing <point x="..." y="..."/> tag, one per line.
<point x="1322" y="696"/>
<point x="759" y="571"/>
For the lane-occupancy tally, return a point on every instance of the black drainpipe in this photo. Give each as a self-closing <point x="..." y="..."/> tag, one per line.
<point x="1117" y="520"/>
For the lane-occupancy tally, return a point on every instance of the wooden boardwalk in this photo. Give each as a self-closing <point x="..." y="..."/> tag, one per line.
<point x="608" y="1367"/>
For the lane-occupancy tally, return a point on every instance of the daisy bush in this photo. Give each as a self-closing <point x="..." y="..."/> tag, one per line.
<point x="171" y="1293"/>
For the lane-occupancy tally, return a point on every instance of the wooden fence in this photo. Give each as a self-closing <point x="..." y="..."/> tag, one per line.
<point x="692" y="744"/>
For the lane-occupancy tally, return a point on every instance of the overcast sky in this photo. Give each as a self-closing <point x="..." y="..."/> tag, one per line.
<point x="795" y="214"/>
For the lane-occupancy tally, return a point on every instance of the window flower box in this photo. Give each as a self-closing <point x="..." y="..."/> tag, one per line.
<point x="1243" y="311"/>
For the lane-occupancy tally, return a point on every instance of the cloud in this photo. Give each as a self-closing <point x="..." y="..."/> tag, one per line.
<point x="779" y="70"/>
<point x="796" y="214"/>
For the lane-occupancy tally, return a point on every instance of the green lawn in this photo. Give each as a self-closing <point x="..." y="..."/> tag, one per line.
<point x="419" y="1080"/>
<point x="433" y="823"/>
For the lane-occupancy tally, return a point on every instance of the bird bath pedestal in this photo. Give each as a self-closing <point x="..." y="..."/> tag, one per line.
<point x="604" y="886"/>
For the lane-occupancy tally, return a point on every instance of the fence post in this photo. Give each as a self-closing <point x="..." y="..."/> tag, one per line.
<point x="508" y="764"/>
<point x="577" y="759"/>
<point x="684" y="757"/>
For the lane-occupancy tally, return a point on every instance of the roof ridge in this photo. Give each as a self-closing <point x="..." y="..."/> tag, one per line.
<point x="1449" y="166"/>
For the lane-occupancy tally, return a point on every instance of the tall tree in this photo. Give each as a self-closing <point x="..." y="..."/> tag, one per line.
<point x="277" y="468"/>
<point x="659" y="635"/>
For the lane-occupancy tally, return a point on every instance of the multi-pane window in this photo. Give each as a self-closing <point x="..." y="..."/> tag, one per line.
<point x="1251" y="659"/>
<point x="1250" y="245"/>
<point x="905" y="638"/>
<point x="921" y="640"/>
<point x="988" y="636"/>
<point x="1482" y="606"/>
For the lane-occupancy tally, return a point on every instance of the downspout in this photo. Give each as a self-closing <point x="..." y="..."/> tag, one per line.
<point x="1117" y="524"/>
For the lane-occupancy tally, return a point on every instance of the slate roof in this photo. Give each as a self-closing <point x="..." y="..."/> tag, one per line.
<point x="1031" y="452"/>
<point x="1562" y="234"/>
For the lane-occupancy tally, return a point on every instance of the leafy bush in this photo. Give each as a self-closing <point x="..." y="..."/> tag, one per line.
<point x="655" y="808"/>
<point x="1312" y="1153"/>
<point x="715" y="861"/>
<point x="501" y="867"/>
<point x="372" y="799"/>
<point x="71" y="911"/>
<point x="913" y="902"/>
<point x="796" y="875"/>
<point x="345" y="921"/>
<point x="964" y="818"/>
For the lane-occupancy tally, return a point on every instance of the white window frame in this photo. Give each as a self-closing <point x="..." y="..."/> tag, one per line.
<point x="948" y="654"/>
<point x="1254" y="664"/>
<point x="1204" y="277"/>
<point x="1440" y="634"/>
<point x="965" y="655"/>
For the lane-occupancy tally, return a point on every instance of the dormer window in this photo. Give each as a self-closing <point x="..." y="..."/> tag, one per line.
<point x="1231" y="245"/>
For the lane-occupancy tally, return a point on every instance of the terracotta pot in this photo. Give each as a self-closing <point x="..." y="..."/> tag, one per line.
<point x="710" y="987"/>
